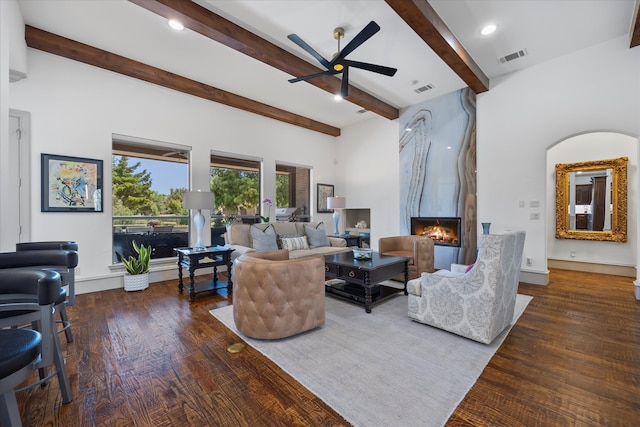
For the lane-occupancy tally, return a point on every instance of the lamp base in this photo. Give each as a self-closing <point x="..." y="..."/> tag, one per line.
<point x="198" y="223"/>
<point x="336" y="220"/>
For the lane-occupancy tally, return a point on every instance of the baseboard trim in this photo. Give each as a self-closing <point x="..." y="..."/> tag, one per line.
<point x="86" y="285"/>
<point x="534" y="277"/>
<point x="590" y="267"/>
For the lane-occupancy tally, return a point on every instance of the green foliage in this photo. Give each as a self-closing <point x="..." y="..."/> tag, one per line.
<point x="141" y="263"/>
<point x="282" y="190"/>
<point x="174" y="202"/>
<point x="131" y="189"/>
<point x="235" y="190"/>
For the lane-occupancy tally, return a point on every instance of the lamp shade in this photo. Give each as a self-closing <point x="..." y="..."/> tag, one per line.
<point x="336" y="202"/>
<point x="198" y="200"/>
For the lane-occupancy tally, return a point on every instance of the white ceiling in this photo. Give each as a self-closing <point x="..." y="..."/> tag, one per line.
<point x="546" y="29"/>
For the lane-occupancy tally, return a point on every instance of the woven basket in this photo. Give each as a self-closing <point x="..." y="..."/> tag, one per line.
<point x="136" y="282"/>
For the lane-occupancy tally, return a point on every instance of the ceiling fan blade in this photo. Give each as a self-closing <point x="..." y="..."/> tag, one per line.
<point x="297" y="40"/>
<point x="380" y="69"/>
<point x="311" y="76"/>
<point x="344" y="86"/>
<point x="362" y="37"/>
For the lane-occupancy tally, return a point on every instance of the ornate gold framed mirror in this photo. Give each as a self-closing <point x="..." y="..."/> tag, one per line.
<point x="591" y="200"/>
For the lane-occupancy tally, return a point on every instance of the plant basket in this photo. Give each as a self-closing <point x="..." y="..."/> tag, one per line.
<point x="136" y="282"/>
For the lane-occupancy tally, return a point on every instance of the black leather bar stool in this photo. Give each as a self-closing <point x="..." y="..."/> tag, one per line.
<point x="19" y="353"/>
<point x="58" y="256"/>
<point x="27" y="299"/>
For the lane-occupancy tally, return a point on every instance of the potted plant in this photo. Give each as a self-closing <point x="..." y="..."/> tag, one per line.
<point x="137" y="276"/>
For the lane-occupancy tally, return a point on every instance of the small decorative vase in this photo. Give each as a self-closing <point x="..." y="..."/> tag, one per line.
<point x="485" y="227"/>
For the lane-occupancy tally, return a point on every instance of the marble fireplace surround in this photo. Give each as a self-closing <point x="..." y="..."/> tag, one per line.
<point x="438" y="169"/>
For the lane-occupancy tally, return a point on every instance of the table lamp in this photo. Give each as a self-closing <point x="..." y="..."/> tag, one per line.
<point x="198" y="200"/>
<point x="336" y="203"/>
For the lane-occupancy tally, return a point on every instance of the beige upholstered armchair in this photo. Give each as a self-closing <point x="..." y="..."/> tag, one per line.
<point x="276" y="297"/>
<point x="478" y="304"/>
<point x="419" y="250"/>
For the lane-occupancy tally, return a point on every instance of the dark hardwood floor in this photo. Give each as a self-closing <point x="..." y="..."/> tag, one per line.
<point x="151" y="358"/>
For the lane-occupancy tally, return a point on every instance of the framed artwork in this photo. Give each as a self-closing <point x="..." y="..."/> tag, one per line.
<point x="324" y="191"/>
<point x="70" y="184"/>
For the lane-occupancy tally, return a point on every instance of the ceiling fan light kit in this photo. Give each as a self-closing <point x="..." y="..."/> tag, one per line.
<point x="339" y="63"/>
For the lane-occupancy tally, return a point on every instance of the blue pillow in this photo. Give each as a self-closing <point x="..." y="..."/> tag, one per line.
<point x="263" y="240"/>
<point x="317" y="236"/>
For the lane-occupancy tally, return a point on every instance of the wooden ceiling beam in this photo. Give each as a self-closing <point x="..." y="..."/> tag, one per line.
<point x="221" y="30"/>
<point x="424" y="20"/>
<point x="58" y="45"/>
<point x="635" y="27"/>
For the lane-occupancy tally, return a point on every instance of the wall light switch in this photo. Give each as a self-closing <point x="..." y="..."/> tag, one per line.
<point x="534" y="203"/>
<point x="535" y="216"/>
<point x="521" y="203"/>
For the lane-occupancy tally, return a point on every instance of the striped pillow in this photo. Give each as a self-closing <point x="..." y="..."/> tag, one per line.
<point x="295" y="243"/>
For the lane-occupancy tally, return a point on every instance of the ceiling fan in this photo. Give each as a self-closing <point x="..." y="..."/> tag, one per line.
<point x="176" y="153"/>
<point x="339" y="63"/>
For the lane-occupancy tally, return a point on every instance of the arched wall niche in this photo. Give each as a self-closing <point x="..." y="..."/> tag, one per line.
<point x="593" y="146"/>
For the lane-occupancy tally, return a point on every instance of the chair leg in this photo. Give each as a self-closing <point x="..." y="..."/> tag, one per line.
<point x="9" y="414"/>
<point x="66" y="325"/>
<point x="63" y="380"/>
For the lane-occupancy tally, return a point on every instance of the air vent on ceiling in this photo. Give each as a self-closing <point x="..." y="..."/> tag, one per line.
<point x="364" y="110"/>
<point x="512" y="56"/>
<point x="424" y="88"/>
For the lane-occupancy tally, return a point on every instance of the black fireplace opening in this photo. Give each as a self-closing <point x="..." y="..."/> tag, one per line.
<point x="444" y="231"/>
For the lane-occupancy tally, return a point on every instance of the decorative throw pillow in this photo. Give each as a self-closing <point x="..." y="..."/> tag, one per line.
<point x="263" y="240"/>
<point x="295" y="243"/>
<point x="317" y="236"/>
<point x="286" y="236"/>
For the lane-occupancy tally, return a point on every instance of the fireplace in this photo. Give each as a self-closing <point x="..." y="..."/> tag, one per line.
<point x="443" y="231"/>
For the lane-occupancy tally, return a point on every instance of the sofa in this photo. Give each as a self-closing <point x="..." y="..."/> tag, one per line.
<point x="301" y="239"/>
<point x="277" y="297"/>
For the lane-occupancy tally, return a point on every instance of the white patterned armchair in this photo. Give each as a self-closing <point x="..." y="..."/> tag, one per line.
<point x="478" y="304"/>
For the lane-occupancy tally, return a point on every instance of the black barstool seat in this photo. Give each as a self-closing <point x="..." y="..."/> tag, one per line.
<point x="20" y="347"/>
<point x="19" y="353"/>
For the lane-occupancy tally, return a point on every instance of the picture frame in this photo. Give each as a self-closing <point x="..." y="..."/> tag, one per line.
<point x="70" y="184"/>
<point x="324" y="191"/>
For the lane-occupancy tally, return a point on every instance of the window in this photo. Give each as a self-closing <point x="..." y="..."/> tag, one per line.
<point x="235" y="182"/>
<point x="293" y="184"/>
<point x="147" y="186"/>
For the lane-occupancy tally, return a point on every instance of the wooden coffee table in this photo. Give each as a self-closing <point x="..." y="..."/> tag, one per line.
<point x="362" y="278"/>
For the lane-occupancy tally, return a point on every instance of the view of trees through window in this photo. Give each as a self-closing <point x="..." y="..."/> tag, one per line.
<point x="147" y="188"/>
<point x="236" y="185"/>
<point x="132" y="193"/>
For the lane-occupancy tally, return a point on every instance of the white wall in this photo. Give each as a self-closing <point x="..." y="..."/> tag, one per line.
<point x="526" y="112"/>
<point x="367" y="167"/>
<point x="587" y="147"/>
<point x="75" y="109"/>
<point x="5" y="14"/>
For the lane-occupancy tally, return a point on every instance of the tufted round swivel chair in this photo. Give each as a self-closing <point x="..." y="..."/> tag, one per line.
<point x="276" y="297"/>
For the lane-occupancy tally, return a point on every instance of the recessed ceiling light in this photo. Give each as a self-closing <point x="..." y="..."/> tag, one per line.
<point x="488" y="29"/>
<point x="176" y="25"/>
<point x="413" y="82"/>
<point x="407" y="129"/>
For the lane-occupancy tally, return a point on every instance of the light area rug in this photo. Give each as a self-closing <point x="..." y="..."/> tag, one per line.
<point x="381" y="368"/>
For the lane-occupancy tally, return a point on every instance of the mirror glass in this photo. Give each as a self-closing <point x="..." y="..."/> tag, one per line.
<point x="591" y="200"/>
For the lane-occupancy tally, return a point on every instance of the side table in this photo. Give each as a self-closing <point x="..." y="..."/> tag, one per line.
<point x="193" y="259"/>
<point x="352" y="239"/>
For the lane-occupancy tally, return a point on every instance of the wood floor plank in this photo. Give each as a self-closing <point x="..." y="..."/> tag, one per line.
<point x="152" y="358"/>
